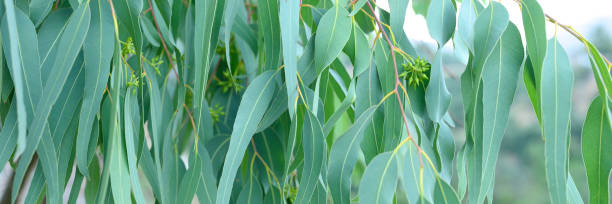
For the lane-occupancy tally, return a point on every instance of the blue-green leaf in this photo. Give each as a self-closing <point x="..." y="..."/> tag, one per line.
<point x="332" y="34"/>
<point x="208" y="16"/>
<point x="468" y="12"/>
<point x="500" y="75"/>
<point x="596" y="136"/>
<point x="441" y="20"/>
<point x="488" y="28"/>
<point x="379" y="180"/>
<point x="437" y="96"/>
<point x="10" y="22"/>
<point x="555" y="96"/>
<point x="315" y="155"/>
<point x="269" y="27"/>
<point x="97" y="52"/>
<point x="444" y="193"/>
<point x="131" y="106"/>
<point x="289" y="23"/>
<point x="343" y="155"/>
<point x="252" y="107"/>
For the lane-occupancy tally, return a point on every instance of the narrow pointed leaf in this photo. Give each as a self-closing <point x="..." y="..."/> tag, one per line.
<point x="596" y="136"/>
<point x="500" y="75"/>
<point x="289" y="24"/>
<point x="343" y="156"/>
<point x="253" y="105"/>
<point x="97" y="52"/>
<point x="556" y="91"/>
<point x="379" y="180"/>
<point x="437" y="96"/>
<point x="332" y="34"/>
<point x="441" y="20"/>
<point x="315" y="155"/>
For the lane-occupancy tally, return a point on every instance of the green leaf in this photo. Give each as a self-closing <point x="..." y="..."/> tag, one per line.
<point x="289" y="23"/>
<point x="437" y="96"/>
<point x="208" y="16"/>
<point x="362" y="51"/>
<point x="252" y="107"/>
<point x="70" y="42"/>
<point x="397" y="16"/>
<point x="500" y="75"/>
<point x="468" y="12"/>
<point x="357" y="7"/>
<point x="340" y="110"/>
<point x="269" y="27"/>
<point x="128" y="15"/>
<point x="39" y="10"/>
<point x="441" y="20"/>
<point x="131" y="107"/>
<point x="535" y="36"/>
<point x="251" y="193"/>
<point x="444" y="193"/>
<point x="207" y="187"/>
<point x="555" y="96"/>
<point x="535" y="33"/>
<point x="97" y="52"/>
<point x="418" y="180"/>
<point x="18" y="76"/>
<point x="596" y="135"/>
<point x="488" y="28"/>
<point x="420" y="7"/>
<point x="332" y="35"/>
<point x="315" y="155"/>
<point x="343" y="155"/>
<point x="7" y="133"/>
<point x="228" y="20"/>
<point x="379" y="180"/>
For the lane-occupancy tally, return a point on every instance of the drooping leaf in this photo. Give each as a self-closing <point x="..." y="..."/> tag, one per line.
<point x="500" y="75"/>
<point x="596" y="135"/>
<point x="379" y="180"/>
<point x="97" y="52"/>
<point x="71" y="42"/>
<point x="208" y="16"/>
<point x="289" y="24"/>
<point x="269" y="26"/>
<point x="343" y="155"/>
<point x="441" y="20"/>
<point x="12" y="33"/>
<point x="468" y="12"/>
<point x="437" y="96"/>
<point x="252" y="107"/>
<point x="444" y="193"/>
<point x="488" y="28"/>
<point x="555" y="97"/>
<point x="332" y="34"/>
<point x="131" y="106"/>
<point x="251" y="193"/>
<point x="315" y="156"/>
<point x="535" y="36"/>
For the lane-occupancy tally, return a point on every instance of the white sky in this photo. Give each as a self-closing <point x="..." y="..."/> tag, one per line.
<point x="579" y="14"/>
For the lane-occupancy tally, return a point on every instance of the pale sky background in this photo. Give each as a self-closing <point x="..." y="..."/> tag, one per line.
<point x="580" y="14"/>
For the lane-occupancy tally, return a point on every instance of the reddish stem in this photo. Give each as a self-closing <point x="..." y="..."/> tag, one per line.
<point x="163" y="42"/>
<point x="397" y="81"/>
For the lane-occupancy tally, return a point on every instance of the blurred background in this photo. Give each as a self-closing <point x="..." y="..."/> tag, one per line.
<point x="520" y="176"/>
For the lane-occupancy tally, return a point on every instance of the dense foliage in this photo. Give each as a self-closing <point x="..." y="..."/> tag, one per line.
<point x="280" y="101"/>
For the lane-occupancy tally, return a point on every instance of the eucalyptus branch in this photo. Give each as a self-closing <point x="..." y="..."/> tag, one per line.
<point x="397" y="83"/>
<point x="569" y="29"/>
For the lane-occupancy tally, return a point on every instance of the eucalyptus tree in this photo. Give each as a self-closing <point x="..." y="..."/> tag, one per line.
<point x="280" y="101"/>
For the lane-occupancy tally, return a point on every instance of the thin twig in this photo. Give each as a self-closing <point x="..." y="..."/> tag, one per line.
<point x="567" y="28"/>
<point x="397" y="82"/>
<point x="163" y="42"/>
